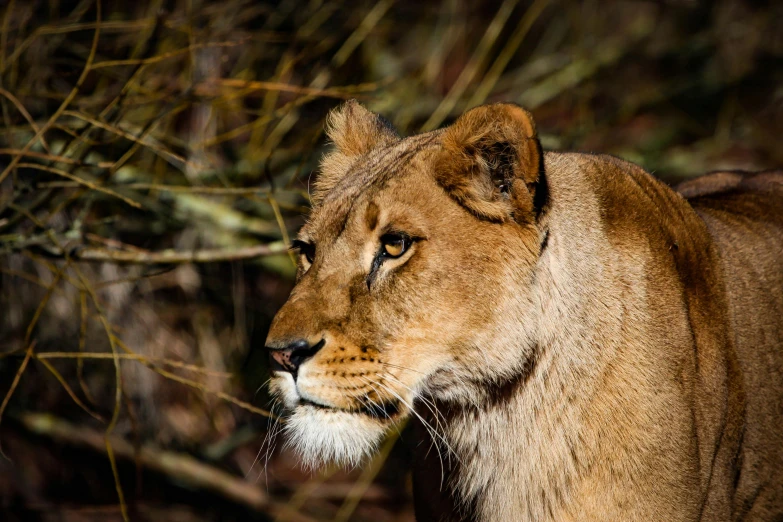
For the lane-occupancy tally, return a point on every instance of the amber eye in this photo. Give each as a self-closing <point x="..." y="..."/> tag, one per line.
<point x="306" y="249"/>
<point x="394" y="245"/>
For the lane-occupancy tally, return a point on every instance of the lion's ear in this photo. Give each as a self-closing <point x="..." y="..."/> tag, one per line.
<point x="491" y="162"/>
<point x="354" y="131"/>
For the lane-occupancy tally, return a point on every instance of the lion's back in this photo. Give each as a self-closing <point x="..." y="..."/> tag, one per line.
<point x="744" y="215"/>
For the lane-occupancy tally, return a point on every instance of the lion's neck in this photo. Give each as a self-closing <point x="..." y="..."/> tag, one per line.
<point x="520" y="453"/>
<point x="520" y="457"/>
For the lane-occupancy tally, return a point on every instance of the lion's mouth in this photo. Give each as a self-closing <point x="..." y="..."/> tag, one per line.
<point x="383" y="411"/>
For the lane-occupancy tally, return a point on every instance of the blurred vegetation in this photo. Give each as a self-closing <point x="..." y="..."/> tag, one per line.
<point x="155" y="158"/>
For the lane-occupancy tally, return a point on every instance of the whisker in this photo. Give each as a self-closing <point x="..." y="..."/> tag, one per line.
<point x="433" y="410"/>
<point x="432" y="431"/>
<point x="371" y="405"/>
<point x="269" y="428"/>
<point x="438" y="416"/>
<point x="428" y="404"/>
<point x="410" y="406"/>
<point x="400" y="367"/>
<point x="261" y="387"/>
<point x="369" y="383"/>
<point x="275" y="430"/>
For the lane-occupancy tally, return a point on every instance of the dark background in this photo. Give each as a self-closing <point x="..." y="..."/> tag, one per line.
<point x="154" y="162"/>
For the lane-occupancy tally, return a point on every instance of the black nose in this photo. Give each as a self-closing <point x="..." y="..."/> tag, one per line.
<point x="289" y="358"/>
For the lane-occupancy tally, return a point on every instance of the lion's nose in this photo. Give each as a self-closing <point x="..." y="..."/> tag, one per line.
<point x="289" y="358"/>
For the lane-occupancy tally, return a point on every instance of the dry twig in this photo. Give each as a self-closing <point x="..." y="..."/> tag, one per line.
<point x="182" y="468"/>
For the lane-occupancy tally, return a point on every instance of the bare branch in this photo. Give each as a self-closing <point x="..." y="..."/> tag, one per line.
<point x="181" y="467"/>
<point x="142" y="257"/>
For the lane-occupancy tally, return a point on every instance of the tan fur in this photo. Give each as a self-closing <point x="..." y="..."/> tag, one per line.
<point x="575" y="340"/>
<point x="355" y="131"/>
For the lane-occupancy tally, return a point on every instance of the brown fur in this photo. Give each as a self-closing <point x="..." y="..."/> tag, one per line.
<point x="576" y="340"/>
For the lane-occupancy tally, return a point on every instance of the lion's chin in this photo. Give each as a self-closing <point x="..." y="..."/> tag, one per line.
<point x="322" y="436"/>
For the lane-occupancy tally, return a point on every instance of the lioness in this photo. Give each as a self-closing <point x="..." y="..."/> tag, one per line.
<point x="580" y="341"/>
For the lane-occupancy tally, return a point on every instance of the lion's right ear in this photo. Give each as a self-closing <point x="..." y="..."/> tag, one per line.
<point x="355" y="131"/>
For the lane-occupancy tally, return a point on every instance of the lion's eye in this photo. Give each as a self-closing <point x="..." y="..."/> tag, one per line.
<point x="394" y="245"/>
<point x="306" y="249"/>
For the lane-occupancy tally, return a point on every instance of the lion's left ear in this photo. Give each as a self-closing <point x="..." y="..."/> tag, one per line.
<point x="492" y="164"/>
<point x="355" y="131"/>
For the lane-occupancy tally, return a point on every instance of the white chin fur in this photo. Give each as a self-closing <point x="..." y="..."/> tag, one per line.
<point x="322" y="437"/>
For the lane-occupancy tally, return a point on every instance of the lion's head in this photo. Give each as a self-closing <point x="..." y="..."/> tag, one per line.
<point x="417" y="252"/>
